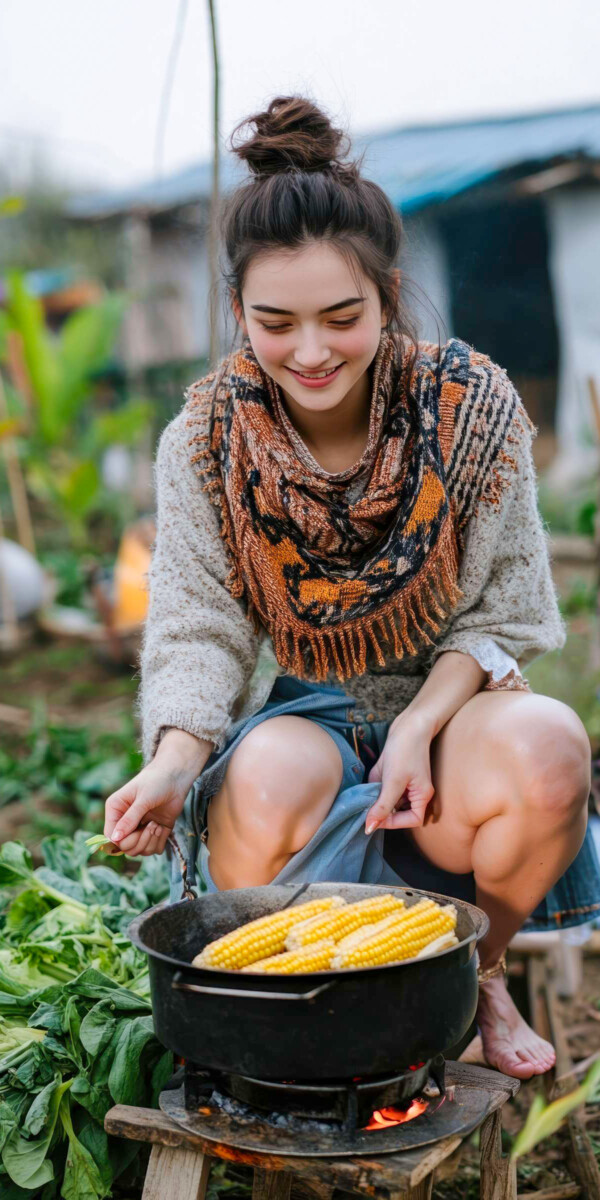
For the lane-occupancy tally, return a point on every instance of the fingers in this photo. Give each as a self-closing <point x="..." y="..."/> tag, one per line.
<point x="149" y="839"/>
<point x="130" y="818"/>
<point x="399" y="806"/>
<point x="117" y="805"/>
<point x="391" y="795"/>
<point x="376" y="772"/>
<point x="408" y="818"/>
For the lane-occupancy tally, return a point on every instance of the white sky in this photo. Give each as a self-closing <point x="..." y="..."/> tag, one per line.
<point x="81" y="80"/>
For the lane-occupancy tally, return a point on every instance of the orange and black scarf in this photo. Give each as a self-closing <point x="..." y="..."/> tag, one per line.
<point x="364" y="562"/>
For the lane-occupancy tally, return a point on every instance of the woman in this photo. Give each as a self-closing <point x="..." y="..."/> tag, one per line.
<point x="338" y="504"/>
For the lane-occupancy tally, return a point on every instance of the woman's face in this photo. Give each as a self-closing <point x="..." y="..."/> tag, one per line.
<point x="304" y="315"/>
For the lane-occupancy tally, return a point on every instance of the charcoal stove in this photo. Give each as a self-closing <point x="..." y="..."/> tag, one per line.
<point x="373" y="1115"/>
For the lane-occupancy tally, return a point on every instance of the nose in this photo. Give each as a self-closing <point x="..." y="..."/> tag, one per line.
<point x="310" y="353"/>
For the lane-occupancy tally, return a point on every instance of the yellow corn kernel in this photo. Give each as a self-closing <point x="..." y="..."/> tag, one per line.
<point x="316" y="957"/>
<point x="258" y="939"/>
<point x="342" y="921"/>
<point x="402" y="937"/>
<point x="365" y="931"/>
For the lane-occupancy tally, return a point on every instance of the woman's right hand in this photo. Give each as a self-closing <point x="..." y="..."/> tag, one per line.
<point x="140" y="816"/>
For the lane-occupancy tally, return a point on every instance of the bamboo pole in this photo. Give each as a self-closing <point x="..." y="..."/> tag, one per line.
<point x="9" y="629"/>
<point x="595" y="403"/>
<point x="213" y="230"/>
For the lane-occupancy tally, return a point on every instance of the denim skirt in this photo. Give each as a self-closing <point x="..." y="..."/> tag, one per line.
<point x="340" y="851"/>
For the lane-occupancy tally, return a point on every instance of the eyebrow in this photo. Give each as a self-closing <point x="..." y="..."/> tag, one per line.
<point x="332" y="307"/>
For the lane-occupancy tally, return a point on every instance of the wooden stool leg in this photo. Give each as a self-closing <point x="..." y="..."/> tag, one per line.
<point x="498" y="1176"/>
<point x="422" y="1190"/>
<point x="176" y="1174"/>
<point x="271" y="1185"/>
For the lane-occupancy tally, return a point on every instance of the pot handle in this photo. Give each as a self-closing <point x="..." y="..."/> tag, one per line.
<point x="179" y="985"/>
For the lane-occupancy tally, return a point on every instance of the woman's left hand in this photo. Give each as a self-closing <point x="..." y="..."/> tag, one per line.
<point x="404" y="771"/>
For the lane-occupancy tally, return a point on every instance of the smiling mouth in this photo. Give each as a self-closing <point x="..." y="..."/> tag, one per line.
<point x="317" y="374"/>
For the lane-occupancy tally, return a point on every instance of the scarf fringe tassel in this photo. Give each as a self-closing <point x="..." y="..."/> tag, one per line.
<point x="345" y="649"/>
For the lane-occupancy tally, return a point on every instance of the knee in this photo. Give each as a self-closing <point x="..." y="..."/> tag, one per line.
<point x="551" y="762"/>
<point x="282" y="780"/>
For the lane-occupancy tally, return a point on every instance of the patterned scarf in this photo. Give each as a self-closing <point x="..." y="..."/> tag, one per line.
<point x="365" y="561"/>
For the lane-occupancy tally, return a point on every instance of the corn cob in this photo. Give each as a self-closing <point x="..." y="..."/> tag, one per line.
<point x="342" y="921"/>
<point x="442" y="943"/>
<point x="261" y="938"/>
<point x="365" y="931"/>
<point x="401" y="937"/>
<point x="316" y="957"/>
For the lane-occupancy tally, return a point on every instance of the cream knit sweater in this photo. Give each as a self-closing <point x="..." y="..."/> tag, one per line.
<point x="202" y="665"/>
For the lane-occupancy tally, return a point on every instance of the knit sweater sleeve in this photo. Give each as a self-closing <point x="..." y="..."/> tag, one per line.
<point x="509" y="613"/>
<point x="199" y="650"/>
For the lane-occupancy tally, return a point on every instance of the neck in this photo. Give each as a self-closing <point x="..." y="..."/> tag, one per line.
<point x="337" y="429"/>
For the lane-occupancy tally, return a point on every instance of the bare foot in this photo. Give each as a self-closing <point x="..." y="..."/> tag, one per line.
<point x="508" y="1041"/>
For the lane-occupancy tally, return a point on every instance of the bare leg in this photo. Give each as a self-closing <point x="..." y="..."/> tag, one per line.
<point x="278" y="788"/>
<point x="511" y="773"/>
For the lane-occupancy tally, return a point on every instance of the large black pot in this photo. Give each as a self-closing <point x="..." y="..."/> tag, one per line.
<point x="332" y="1024"/>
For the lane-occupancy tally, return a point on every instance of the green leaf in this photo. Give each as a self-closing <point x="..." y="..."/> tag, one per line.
<point x="25" y="911"/>
<point x="97" y="839"/>
<point x="16" y="864"/>
<point x="104" y="777"/>
<point x="8" y="1123"/>
<point x="40" y="1111"/>
<point x="82" y="1179"/>
<point x="98" y="1027"/>
<point x="65" y="855"/>
<point x="11" y="206"/>
<point x="59" y="887"/>
<point x="24" y="1159"/>
<point x="161" y="1074"/>
<point x="126" y="1081"/>
<point x="87" y="339"/>
<point x="79" y="487"/>
<point x="123" y="426"/>
<point x="96" y="1100"/>
<point x="26" y="314"/>
<point x="544" y="1119"/>
<point x="94" y="1140"/>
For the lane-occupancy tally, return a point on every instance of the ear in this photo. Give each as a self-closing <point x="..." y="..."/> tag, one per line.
<point x="238" y="312"/>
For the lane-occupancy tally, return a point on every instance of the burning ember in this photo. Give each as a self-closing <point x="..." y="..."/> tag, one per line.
<point x="384" y="1117"/>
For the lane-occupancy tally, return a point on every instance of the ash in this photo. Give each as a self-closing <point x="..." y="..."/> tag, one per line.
<point x="244" y="1112"/>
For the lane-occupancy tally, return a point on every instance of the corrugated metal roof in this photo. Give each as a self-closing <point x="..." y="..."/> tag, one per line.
<point x="416" y="165"/>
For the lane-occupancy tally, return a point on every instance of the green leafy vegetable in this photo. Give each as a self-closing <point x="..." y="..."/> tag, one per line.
<point x="544" y="1119"/>
<point x="76" y="1032"/>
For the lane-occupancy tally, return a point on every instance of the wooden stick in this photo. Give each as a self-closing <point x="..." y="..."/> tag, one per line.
<point x="595" y="402"/>
<point x="271" y="1185"/>
<point x="176" y="1174"/>
<point x="17" y="367"/>
<point x="9" y="629"/>
<point x="16" y="482"/>
<point x="562" y="1191"/>
<point x="564" y="1083"/>
<point x="498" y="1175"/>
<point x="422" y="1191"/>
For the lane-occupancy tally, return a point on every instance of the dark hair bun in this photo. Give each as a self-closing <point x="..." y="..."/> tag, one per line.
<point x="292" y="133"/>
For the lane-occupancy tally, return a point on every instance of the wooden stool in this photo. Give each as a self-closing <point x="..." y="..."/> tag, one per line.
<point x="180" y="1161"/>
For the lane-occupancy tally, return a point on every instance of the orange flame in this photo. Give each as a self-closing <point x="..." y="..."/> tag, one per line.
<point x="384" y="1117"/>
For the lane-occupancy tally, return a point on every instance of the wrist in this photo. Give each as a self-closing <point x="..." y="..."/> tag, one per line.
<point x="420" y="720"/>
<point x="182" y="754"/>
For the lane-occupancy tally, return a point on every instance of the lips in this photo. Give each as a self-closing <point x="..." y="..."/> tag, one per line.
<point x="317" y="380"/>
